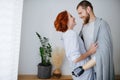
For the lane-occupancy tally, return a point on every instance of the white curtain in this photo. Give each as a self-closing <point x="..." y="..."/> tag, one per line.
<point x="10" y="30"/>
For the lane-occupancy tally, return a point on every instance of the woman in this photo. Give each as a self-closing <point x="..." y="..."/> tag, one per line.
<point x="74" y="47"/>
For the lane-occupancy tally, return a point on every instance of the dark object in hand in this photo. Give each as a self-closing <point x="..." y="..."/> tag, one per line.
<point x="78" y="71"/>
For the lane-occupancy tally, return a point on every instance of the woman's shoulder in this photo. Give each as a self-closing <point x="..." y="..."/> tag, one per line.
<point x="70" y="34"/>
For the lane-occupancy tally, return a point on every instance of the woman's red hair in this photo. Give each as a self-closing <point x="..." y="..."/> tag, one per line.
<point x="61" y="21"/>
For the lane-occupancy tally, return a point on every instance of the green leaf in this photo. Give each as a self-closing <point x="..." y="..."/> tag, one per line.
<point x="45" y="50"/>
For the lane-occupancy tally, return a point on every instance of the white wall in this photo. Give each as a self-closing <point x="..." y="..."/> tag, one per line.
<point x="10" y="31"/>
<point x="39" y="16"/>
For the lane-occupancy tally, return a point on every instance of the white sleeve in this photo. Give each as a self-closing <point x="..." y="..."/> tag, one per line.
<point x="72" y="46"/>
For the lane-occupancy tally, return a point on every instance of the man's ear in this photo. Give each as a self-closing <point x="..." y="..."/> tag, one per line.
<point x="88" y="9"/>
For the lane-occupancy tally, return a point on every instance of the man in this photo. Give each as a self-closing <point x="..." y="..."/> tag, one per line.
<point x="97" y="30"/>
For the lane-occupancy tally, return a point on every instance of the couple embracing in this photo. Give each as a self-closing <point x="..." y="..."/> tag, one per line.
<point x="90" y="52"/>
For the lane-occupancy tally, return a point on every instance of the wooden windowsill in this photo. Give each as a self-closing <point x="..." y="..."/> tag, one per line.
<point x="34" y="77"/>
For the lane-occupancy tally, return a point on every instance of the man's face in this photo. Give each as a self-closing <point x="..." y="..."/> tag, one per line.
<point x="83" y="14"/>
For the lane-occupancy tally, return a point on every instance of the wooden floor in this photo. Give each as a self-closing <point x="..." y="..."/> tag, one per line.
<point x="117" y="77"/>
<point x="65" y="77"/>
<point x="34" y="77"/>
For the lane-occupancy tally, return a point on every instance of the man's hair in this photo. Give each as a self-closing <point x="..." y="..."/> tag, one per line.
<point x="85" y="4"/>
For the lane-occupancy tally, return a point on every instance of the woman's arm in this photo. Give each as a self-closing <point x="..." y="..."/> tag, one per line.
<point x="80" y="70"/>
<point x="89" y="64"/>
<point x="91" y="51"/>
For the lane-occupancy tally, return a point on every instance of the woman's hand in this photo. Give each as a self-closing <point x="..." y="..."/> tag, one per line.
<point x="93" y="48"/>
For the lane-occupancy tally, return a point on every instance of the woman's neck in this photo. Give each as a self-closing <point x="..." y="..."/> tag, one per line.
<point x="70" y="28"/>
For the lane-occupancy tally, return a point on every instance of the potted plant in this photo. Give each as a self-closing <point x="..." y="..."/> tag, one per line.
<point x="45" y="67"/>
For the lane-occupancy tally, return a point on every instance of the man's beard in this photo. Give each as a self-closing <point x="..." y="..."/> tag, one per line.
<point x="87" y="18"/>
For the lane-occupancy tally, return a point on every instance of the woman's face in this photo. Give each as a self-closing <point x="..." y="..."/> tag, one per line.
<point x="71" y="21"/>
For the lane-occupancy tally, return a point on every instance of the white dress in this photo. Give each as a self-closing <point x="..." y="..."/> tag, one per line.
<point x="74" y="47"/>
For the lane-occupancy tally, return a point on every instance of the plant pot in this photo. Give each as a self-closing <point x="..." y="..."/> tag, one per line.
<point x="44" y="72"/>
